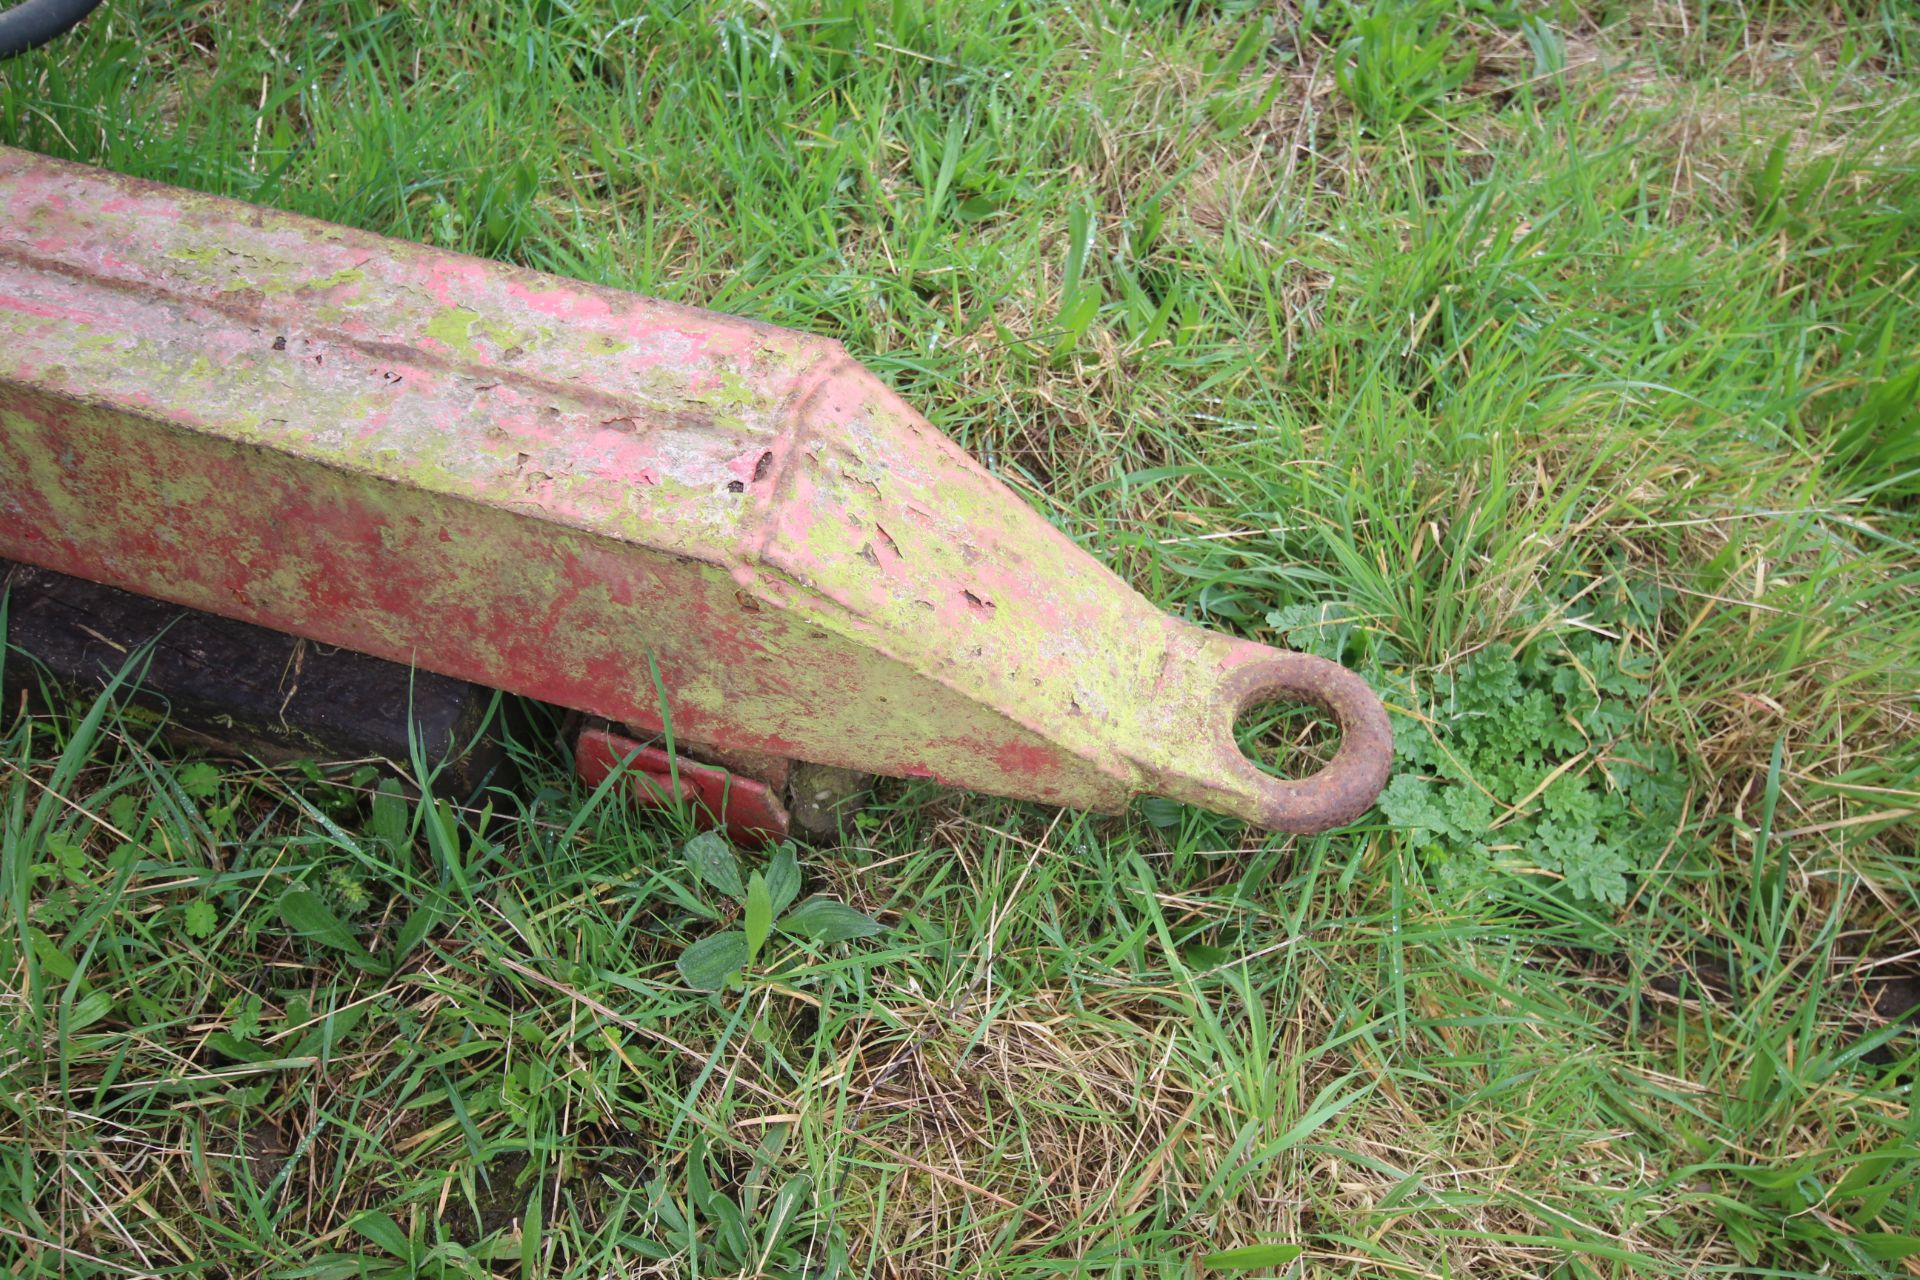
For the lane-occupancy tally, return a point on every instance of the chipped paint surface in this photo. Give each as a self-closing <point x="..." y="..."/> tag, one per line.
<point x="535" y="484"/>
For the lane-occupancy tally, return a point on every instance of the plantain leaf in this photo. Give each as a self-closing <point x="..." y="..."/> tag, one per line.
<point x="710" y="963"/>
<point x="1253" y="1257"/>
<point x="309" y="916"/>
<point x="759" y="915"/>
<point x="825" y="920"/>
<point x="711" y="858"/>
<point x="783" y="878"/>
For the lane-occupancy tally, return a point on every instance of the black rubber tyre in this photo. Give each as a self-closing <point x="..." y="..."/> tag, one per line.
<point x="29" y="25"/>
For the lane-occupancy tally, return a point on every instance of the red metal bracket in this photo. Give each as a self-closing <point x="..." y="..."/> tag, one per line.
<point x="747" y="808"/>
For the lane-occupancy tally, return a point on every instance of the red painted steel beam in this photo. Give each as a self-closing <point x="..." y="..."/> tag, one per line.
<point x="558" y="489"/>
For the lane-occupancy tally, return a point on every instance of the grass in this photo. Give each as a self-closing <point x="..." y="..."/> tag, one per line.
<point x="1433" y="336"/>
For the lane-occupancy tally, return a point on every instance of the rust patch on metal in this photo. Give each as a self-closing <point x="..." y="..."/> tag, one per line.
<point x="1346" y="787"/>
